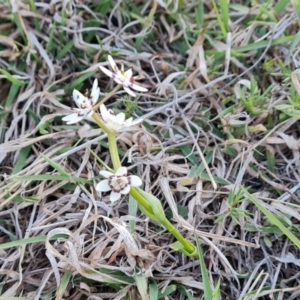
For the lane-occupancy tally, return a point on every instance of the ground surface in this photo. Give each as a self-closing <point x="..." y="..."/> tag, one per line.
<point x="218" y="145"/>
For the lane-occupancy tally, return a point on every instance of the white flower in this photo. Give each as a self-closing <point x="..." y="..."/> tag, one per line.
<point x="118" y="183"/>
<point x="112" y="121"/>
<point x="122" y="77"/>
<point x="84" y="104"/>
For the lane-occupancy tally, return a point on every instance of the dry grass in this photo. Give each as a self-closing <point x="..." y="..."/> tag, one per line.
<point x="221" y="114"/>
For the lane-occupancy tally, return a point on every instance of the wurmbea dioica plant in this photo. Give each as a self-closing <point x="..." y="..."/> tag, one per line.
<point x="119" y="183"/>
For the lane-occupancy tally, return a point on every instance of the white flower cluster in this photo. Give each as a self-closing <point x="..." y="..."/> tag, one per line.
<point x="85" y="104"/>
<point x="118" y="183"/>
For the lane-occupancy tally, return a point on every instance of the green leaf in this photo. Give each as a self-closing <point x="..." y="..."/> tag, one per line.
<point x="263" y="44"/>
<point x="74" y="84"/>
<point x="177" y="246"/>
<point x="288" y="110"/>
<point x="205" y="278"/>
<point x="169" y="290"/>
<point x="200" y="15"/>
<point x="188" y="153"/>
<point x="216" y="292"/>
<point x="54" y="165"/>
<point x="273" y="219"/>
<point x="280" y="6"/>
<point x="225" y="14"/>
<point x="118" y="275"/>
<point x="133" y="207"/>
<point x="65" y="280"/>
<point x="12" y="95"/>
<point x="28" y="241"/>
<point x="28" y="199"/>
<point x="141" y="283"/>
<point x="21" y="160"/>
<point x="185" y="292"/>
<point x="11" y="78"/>
<point x="296" y="5"/>
<point x="153" y="290"/>
<point x="205" y="176"/>
<point x="158" y="211"/>
<point x="52" y="177"/>
<point x="43" y="128"/>
<point x="62" y="53"/>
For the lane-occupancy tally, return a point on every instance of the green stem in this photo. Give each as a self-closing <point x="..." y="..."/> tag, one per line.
<point x="112" y="142"/>
<point x="100" y="160"/>
<point x="141" y="200"/>
<point x="100" y="123"/>
<point x="113" y="149"/>
<point x="188" y="246"/>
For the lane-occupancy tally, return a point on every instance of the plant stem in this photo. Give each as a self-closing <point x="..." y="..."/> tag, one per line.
<point x="100" y="160"/>
<point x="112" y="142"/>
<point x="113" y="149"/>
<point x="141" y="200"/>
<point x="188" y="246"/>
<point x="100" y="123"/>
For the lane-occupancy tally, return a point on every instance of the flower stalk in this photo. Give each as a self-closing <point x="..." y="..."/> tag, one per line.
<point x="112" y="141"/>
<point x="117" y="181"/>
<point x="141" y="200"/>
<point x="187" y="245"/>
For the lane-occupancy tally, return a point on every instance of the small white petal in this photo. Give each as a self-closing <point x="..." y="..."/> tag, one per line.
<point x="128" y="122"/>
<point x="114" y="196"/>
<point x="73" y="118"/>
<point x="114" y="126"/>
<point x="128" y="73"/>
<point x="135" y="180"/>
<point x="106" y="174"/>
<point x="119" y="118"/>
<point x="138" y="88"/>
<point x="104" y="112"/>
<point x="122" y="171"/>
<point x="129" y="91"/>
<point x="112" y="63"/>
<point x="118" y="81"/>
<point x="136" y="121"/>
<point x="126" y="190"/>
<point x="79" y="98"/>
<point x="103" y="186"/>
<point x="107" y="72"/>
<point x="95" y="85"/>
<point x="95" y="92"/>
<point x="114" y="122"/>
